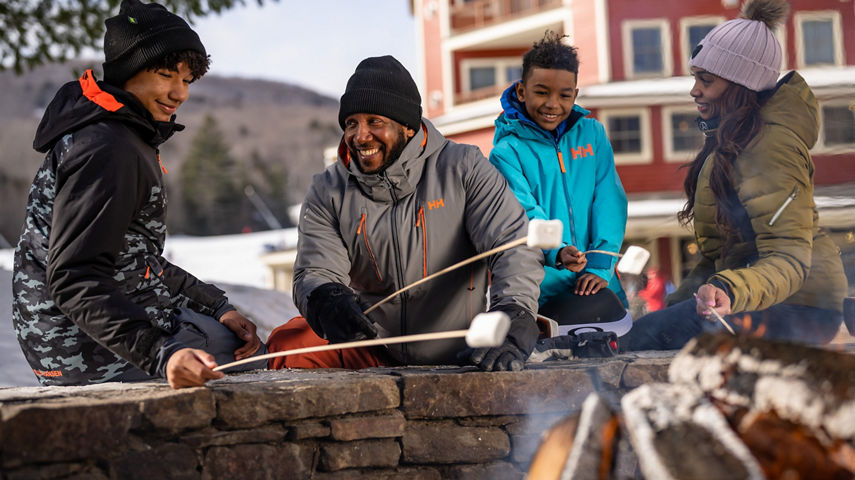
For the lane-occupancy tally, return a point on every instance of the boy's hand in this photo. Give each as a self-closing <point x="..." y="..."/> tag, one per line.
<point x="589" y="284"/>
<point x="244" y="329"/>
<point x="190" y="367"/>
<point x="572" y="258"/>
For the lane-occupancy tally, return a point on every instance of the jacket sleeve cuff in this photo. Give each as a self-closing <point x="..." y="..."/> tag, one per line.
<point x="165" y="352"/>
<point x="222" y="309"/>
<point x="550" y="257"/>
<point x="719" y="283"/>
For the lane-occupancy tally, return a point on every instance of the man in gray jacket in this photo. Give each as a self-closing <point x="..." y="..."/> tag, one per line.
<point x="402" y="203"/>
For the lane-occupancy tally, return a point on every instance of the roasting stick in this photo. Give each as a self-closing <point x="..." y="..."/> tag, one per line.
<point x="487" y="330"/>
<point x="541" y="234"/>
<point x="715" y="314"/>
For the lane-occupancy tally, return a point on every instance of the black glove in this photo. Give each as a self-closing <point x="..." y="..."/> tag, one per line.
<point x="334" y="312"/>
<point x="519" y="343"/>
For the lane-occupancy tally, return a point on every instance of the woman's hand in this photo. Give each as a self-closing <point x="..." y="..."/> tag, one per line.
<point x="711" y="297"/>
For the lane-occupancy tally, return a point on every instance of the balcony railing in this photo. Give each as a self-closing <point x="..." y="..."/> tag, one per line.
<point x="466" y="15"/>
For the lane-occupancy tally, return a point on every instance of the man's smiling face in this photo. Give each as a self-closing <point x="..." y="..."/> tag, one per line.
<point x="374" y="141"/>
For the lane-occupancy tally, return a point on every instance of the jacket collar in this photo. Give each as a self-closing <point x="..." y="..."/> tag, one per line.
<point x="87" y="101"/>
<point x="514" y="110"/>
<point x="401" y="177"/>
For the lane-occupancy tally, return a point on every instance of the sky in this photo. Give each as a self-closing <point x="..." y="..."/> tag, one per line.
<point x="315" y="44"/>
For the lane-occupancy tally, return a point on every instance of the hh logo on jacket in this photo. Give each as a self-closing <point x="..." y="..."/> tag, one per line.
<point x="435" y="204"/>
<point x="582" y="151"/>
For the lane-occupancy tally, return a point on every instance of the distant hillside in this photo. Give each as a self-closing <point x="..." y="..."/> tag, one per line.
<point x="266" y="125"/>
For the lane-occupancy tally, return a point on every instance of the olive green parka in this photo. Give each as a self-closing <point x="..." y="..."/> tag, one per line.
<point x="780" y="255"/>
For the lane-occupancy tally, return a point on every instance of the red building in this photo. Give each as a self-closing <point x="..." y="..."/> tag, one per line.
<point x="634" y="78"/>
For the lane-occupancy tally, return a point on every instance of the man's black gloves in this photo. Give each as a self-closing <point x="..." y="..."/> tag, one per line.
<point x="334" y="312"/>
<point x="519" y="343"/>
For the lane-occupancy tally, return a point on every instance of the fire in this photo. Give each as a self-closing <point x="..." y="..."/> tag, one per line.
<point x="747" y="326"/>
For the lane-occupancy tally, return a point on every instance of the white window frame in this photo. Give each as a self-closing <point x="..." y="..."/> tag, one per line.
<point x="671" y="155"/>
<point x="629" y="52"/>
<point x="499" y="63"/>
<point x="837" y="35"/>
<point x="823" y="148"/>
<point x="685" y="23"/>
<point x="646" y="153"/>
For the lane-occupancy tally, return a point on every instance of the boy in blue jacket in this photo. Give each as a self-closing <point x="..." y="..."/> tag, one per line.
<point x="560" y="165"/>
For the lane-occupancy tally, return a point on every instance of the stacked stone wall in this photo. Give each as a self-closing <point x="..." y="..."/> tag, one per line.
<point x="397" y="423"/>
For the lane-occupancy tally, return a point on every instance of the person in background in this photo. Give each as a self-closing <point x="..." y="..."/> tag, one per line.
<point x="401" y="203"/>
<point x="560" y="165"/>
<point x="765" y="264"/>
<point x="94" y="298"/>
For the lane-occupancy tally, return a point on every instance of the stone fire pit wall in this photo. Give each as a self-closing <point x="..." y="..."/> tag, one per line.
<point x="407" y="423"/>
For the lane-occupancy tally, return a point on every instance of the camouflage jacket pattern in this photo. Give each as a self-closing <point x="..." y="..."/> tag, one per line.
<point x="93" y="295"/>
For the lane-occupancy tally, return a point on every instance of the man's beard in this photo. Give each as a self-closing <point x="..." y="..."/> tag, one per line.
<point x="391" y="155"/>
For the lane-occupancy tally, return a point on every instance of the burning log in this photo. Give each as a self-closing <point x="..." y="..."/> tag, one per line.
<point x="735" y="407"/>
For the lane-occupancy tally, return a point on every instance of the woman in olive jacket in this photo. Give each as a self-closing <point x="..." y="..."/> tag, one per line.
<point x="765" y="264"/>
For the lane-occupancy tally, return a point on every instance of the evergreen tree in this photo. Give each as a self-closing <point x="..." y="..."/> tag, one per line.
<point x="34" y="32"/>
<point x="212" y="185"/>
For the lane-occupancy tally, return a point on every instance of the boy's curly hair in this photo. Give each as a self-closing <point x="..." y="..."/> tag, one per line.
<point x="550" y="52"/>
<point x="196" y="62"/>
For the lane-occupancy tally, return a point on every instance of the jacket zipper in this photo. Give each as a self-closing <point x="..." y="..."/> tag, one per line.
<point x="397" y="247"/>
<point x="364" y="231"/>
<point x="420" y="223"/>
<point x="572" y="225"/>
<point x="788" y="200"/>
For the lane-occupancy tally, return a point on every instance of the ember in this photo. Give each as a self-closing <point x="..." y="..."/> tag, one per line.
<point x="735" y="407"/>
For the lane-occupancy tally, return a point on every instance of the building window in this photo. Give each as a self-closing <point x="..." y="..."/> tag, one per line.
<point x="682" y="138"/>
<point x="629" y="133"/>
<point x="838" y="126"/>
<point x="819" y="39"/>
<point x="484" y="77"/>
<point x="647" y="47"/>
<point x="692" y="31"/>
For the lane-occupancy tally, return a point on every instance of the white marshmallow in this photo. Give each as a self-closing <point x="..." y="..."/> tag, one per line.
<point x="488" y="329"/>
<point x="633" y="261"/>
<point x="544" y="234"/>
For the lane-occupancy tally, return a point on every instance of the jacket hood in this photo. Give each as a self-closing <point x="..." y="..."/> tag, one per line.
<point x="514" y="120"/>
<point x="792" y="99"/>
<point x="87" y="101"/>
<point x="401" y="177"/>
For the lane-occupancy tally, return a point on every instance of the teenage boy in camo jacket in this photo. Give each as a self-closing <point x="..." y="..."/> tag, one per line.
<point x="94" y="299"/>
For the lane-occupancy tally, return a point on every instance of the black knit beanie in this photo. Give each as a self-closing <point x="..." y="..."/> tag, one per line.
<point x="381" y="85"/>
<point x="139" y="36"/>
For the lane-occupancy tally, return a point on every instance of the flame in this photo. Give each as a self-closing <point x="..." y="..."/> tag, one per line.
<point x="747" y="326"/>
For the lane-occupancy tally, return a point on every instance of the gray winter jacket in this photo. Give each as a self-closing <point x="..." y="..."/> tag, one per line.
<point x="438" y="204"/>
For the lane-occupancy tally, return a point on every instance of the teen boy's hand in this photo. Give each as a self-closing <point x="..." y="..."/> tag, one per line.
<point x="245" y="330"/>
<point x="589" y="284"/>
<point x="191" y="367"/>
<point x="572" y="259"/>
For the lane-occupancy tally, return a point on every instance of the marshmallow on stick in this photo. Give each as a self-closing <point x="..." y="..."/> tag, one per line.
<point x="542" y="234"/>
<point x="486" y="330"/>
<point x="632" y="261"/>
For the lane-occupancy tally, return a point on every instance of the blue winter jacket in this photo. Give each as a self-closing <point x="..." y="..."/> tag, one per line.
<point x="570" y="175"/>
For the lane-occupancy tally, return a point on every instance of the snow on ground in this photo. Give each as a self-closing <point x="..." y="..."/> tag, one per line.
<point x="230" y="261"/>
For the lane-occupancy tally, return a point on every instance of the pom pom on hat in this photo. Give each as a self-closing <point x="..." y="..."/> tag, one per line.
<point x="745" y="50"/>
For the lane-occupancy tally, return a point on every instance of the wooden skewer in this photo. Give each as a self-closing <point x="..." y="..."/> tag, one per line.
<point x="618" y="255"/>
<point x="715" y="314"/>
<point x="419" y="337"/>
<point x="498" y="249"/>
